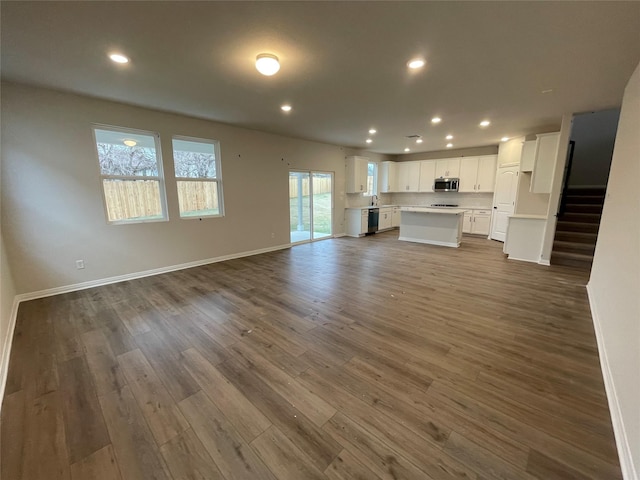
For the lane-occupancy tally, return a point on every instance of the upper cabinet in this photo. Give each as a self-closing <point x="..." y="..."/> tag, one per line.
<point x="388" y="177"/>
<point x="448" y="168"/>
<point x="477" y="174"/>
<point x="408" y="175"/>
<point x="427" y="175"/>
<point x="544" y="162"/>
<point x="510" y="152"/>
<point x="528" y="156"/>
<point x="357" y="174"/>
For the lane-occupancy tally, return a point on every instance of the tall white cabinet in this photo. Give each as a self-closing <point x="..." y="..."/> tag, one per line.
<point x="357" y="174"/>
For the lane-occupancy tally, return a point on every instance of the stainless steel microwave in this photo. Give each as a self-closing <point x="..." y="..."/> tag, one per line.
<point x="446" y="184"/>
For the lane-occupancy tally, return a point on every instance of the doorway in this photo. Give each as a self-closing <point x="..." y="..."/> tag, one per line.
<point x="310" y="205"/>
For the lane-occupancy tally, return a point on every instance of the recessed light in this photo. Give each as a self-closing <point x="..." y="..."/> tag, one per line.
<point x="449" y="145"/>
<point x="372" y="131"/>
<point x="449" y="137"/>
<point x="267" y="64"/>
<point x="369" y="140"/>
<point x="419" y="140"/>
<point x="130" y="143"/>
<point x="285" y="108"/>
<point x="415" y="63"/>
<point x="407" y="149"/>
<point x="436" y="120"/>
<point x="118" y="58"/>
<point x="504" y="139"/>
<point x="549" y="90"/>
<point x="485" y="123"/>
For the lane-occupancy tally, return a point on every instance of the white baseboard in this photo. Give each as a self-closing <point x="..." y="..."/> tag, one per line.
<point x="622" y="442"/>
<point x="528" y="260"/>
<point x="542" y="261"/>
<point x="6" y="348"/>
<point x="6" y="351"/>
<point x="147" y="273"/>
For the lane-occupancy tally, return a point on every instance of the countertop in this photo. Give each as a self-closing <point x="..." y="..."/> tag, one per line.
<point x="367" y="207"/>
<point x="529" y="217"/>
<point x="442" y="210"/>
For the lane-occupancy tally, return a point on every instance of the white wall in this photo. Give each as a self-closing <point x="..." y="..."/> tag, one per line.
<point x="594" y="134"/>
<point x="52" y="207"/>
<point x="614" y="286"/>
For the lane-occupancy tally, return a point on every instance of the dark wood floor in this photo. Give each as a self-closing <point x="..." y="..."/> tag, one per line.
<point x="345" y="359"/>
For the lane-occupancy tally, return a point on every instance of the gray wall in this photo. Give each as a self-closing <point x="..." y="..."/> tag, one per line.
<point x="52" y="207"/>
<point x="594" y="134"/>
<point x="615" y="282"/>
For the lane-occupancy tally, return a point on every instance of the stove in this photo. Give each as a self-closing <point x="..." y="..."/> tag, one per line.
<point x="443" y="205"/>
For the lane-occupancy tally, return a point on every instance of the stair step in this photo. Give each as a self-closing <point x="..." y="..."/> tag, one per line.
<point x="580" y="217"/>
<point x="571" y="259"/>
<point x="589" y="199"/>
<point x="576" y="237"/>
<point x="586" y="191"/>
<point x="573" y="247"/>
<point x="565" y="226"/>
<point x="582" y="208"/>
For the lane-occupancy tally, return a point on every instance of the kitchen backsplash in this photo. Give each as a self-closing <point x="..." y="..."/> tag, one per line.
<point x="465" y="200"/>
<point x="357" y="200"/>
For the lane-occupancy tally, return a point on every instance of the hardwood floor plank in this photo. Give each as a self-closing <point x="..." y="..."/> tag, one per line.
<point x="12" y="428"/>
<point x="157" y="405"/>
<point x="242" y="414"/>
<point x="224" y="444"/>
<point x="85" y="430"/>
<point x="347" y="467"/>
<point x="105" y="369"/>
<point x="135" y="449"/>
<point x="101" y="465"/>
<point x="45" y="451"/>
<point x="283" y="458"/>
<point x="543" y="466"/>
<point x="187" y="458"/>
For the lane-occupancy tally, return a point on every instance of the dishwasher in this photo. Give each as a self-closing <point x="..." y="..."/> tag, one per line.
<point x="374" y="215"/>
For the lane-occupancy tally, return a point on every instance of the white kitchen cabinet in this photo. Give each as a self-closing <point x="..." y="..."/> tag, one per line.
<point x="385" y="218"/>
<point x="427" y="175"/>
<point x="408" y="176"/>
<point x="481" y="222"/>
<point x="477" y="174"/>
<point x="528" y="156"/>
<point x="466" y="221"/>
<point x="544" y="162"/>
<point x="486" y="173"/>
<point x="510" y="152"/>
<point x="448" y="168"/>
<point x="357" y="221"/>
<point x="395" y="217"/>
<point x="357" y="168"/>
<point x="388" y="178"/>
<point x="468" y="174"/>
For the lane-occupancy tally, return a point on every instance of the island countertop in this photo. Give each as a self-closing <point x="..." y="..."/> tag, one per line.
<point x="421" y="209"/>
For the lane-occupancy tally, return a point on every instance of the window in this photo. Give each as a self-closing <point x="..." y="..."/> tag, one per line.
<point x="131" y="174"/>
<point x="197" y="166"/>
<point x="372" y="179"/>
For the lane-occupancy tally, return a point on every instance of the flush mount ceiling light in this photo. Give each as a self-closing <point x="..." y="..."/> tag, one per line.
<point x="419" y="140"/>
<point x="407" y="149"/>
<point x="436" y="120"/>
<point x="267" y="64"/>
<point x="504" y="139"/>
<point x="369" y="140"/>
<point x="449" y="137"/>
<point x="372" y="131"/>
<point x="285" y="108"/>
<point x="118" y="58"/>
<point x="130" y="143"/>
<point x="415" y="63"/>
<point x="485" y="123"/>
<point x="449" y="145"/>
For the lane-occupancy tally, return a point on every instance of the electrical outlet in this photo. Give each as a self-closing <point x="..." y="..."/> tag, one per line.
<point x="79" y="264"/>
<point x="273" y="235"/>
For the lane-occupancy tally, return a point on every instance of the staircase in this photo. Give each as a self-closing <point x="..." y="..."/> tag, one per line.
<point x="577" y="228"/>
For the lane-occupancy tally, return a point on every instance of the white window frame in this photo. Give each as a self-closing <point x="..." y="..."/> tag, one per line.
<point x="159" y="178"/>
<point x="375" y="180"/>
<point x="217" y="180"/>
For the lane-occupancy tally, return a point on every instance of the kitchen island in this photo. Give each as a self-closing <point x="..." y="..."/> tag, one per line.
<point x="435" y="226"/>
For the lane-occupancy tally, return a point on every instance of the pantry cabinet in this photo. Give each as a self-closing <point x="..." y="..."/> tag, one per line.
<point x="357" y="174"/>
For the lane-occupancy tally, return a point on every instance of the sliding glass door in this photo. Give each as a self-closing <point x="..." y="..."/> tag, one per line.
<point x="310" y="205"/>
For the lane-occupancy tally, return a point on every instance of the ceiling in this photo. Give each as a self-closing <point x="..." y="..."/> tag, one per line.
<point x="343" y="64"/>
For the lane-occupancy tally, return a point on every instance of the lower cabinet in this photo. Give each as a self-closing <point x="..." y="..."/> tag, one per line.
<point x="395" y="217"/>
<point x="477" y="222"/>
<point x="385" y="219"/>
<point x="357" y="222"/>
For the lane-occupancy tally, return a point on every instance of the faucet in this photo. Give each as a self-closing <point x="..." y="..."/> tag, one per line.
<point x="374" y="202"/>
